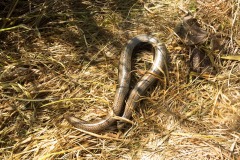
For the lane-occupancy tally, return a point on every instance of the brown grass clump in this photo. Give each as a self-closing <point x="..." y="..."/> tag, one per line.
<point x="59" y="57"/>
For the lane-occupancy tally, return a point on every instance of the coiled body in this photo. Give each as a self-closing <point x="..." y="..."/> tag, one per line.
<point x="124" y="77"/>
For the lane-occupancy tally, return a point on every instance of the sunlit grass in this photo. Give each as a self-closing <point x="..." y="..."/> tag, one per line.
<point x="58" y="57"/>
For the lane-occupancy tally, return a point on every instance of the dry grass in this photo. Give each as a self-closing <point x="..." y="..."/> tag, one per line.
<point x="59" y="57"/>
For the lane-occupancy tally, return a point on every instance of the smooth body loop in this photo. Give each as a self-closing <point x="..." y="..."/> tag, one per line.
<point x="124" y="77"/>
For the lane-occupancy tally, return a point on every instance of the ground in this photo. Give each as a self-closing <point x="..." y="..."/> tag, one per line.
<point x="62" y="56"/>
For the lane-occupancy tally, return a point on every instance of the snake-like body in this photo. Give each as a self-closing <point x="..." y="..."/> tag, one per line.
<point x="124" y="77"/>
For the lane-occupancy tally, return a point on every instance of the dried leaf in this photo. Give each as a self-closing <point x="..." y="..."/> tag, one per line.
<point x="190" y="31"/>
<point x="233" y="57"/>
<point x="199" y="60"/>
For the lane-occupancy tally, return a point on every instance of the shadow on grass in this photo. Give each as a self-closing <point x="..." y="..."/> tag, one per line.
<point x="45" y="20"/>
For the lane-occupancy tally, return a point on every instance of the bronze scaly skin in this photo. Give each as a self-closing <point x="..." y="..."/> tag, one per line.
<point x="124" y="77"/>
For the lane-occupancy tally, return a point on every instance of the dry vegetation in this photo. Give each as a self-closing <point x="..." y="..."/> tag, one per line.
<point x="62" y="56"/>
